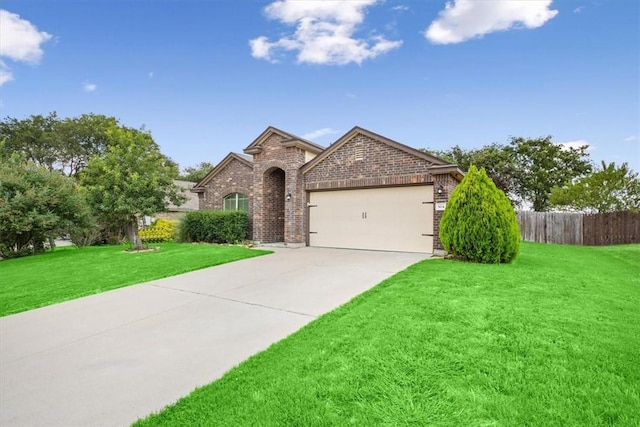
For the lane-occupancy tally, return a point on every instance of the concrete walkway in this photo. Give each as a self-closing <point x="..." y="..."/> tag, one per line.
<point x="112" y="358"/>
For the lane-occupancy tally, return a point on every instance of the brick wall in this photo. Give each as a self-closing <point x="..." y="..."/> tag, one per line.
<point x="236" y="177"/>
<point x="270" y="191"/>
<point x="359" y="163"/>
<point x="366" y="162"/>
<point x="273" y="205"/>
<point x="449" y="183"/>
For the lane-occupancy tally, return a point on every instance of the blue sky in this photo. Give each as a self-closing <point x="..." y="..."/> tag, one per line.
<point x="207" y="77"/>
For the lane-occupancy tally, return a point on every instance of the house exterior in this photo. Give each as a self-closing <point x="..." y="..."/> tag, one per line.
<point x="364" y="191"/>
<point x="175" y="212"/>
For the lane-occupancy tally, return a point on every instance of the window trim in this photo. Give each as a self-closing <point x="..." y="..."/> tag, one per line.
<point x="236" y="197"/>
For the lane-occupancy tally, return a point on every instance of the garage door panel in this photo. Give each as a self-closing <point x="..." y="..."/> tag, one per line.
<point x="396" y="219"/>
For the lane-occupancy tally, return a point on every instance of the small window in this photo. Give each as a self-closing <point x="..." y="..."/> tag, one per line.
<point x="236" y="202"/>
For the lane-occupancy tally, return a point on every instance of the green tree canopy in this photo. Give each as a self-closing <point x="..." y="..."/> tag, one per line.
<point x="541" y="165"/>
<point x="55" y="143"/>
<point x="36" y="204"/>
<point x="525" y="170"/>
<point x="196" y="173"/>
<point x="133" y="178"/>
<point x="496" y="160"/>
<point x="607" y="189"/>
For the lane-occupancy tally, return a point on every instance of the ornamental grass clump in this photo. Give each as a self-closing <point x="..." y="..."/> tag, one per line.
<point x="479" y="224"/>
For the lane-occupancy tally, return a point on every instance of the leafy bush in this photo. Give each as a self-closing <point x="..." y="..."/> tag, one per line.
<point x="161" y="230"/>
<point x="35" y="204"/>
<point x="214" y="226"/>
<point x="479" y="223"/>
<point x="181" y="234"/>
<point x="85" y="235"/>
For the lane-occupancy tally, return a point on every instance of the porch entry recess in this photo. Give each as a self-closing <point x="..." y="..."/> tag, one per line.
<point x="389" y="219"/>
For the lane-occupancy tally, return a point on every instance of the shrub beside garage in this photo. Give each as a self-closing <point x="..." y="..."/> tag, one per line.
<point x="479" y="223"/>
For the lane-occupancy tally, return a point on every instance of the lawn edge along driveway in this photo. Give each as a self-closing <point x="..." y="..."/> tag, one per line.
<point x="111" y="358"/>
<point x="551" y="340"/>
<point x="69" y="272"/>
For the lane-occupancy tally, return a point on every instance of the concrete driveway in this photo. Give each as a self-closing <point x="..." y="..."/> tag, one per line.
<point x="112" y="358"/>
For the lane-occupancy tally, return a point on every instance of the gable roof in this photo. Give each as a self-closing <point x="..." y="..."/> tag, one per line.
<point x="384" y="140"/>
<point x="246" y="160"/>
<point x="290" y="140"/>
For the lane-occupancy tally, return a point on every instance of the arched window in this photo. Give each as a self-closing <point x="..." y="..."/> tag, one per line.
<point x="236" y="202"/>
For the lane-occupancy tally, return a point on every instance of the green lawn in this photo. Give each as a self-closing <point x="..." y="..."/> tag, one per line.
<point x="68" y="273"/>
<point x="552" y="339"/>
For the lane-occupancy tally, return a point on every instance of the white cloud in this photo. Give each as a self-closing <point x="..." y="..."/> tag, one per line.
<point x="325" y="32"/>
<point x="89" y="87"/>
<point x="578" y="9"/>
<point x="5" y="74"/>
<point x="151" y="74"/>
<point x="400" y="8"/>
<point x="462" y="20"/>
<point x="20" y="41"/>
<point x="319" y="132"/>
<point x="351" y="95"/>
<point x="630" y="138"/>
<point x="260" y="48"/>
<point x="576" y="144"/>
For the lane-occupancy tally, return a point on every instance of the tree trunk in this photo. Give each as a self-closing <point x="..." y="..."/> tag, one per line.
<point x="132" y="234"/>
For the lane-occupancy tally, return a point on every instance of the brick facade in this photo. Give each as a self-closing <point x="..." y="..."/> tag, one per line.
<point x="235" y="177"/>
<point x="448" y="183"/>
<point x="363" y="161"/>
<point x="277" y="219"/>
<point x="273" y="203"/>
<point x="358" y="160"/>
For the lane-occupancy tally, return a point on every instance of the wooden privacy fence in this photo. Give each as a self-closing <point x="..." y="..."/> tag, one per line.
<point x="580" y="229"/>
<point x="551" y="227"/>
<point x="612" y="228"/>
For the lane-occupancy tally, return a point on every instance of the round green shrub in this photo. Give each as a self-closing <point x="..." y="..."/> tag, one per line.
<point x="479" y="224"/>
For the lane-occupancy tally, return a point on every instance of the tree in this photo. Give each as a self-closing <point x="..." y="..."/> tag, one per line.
<point x="132" y="179"/>
<point x="608" y="189"/>
<point x="36" y="204"/>
<point x="541" y="165"/>
<point x="80" y="139"/>
<point x="34" y="138"/>
<point x="57" y="144"/>
<point x="495" y="159"/>
<point x="196" y="173"/>
<point x="446" y="155"/>
<point x="479" y="224"/>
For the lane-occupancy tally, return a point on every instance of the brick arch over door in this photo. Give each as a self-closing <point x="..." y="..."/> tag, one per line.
<point x="270" y="164"/>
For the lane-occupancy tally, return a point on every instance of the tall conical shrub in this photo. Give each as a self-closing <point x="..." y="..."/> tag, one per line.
<point x="479" y="224"/>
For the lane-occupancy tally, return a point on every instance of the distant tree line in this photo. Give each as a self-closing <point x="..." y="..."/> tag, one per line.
<point x="547" y="175"/>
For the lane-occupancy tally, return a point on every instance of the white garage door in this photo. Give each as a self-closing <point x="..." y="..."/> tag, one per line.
<point x="389" y="219"/>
